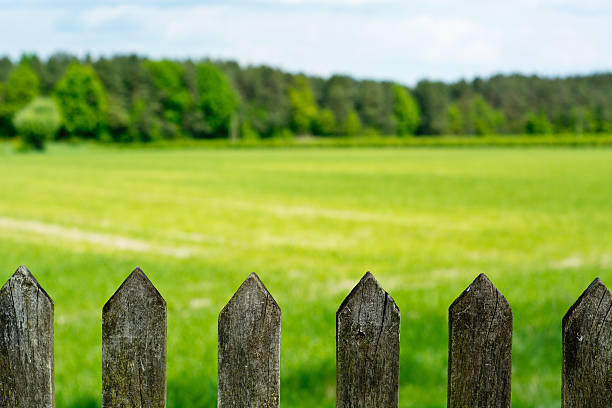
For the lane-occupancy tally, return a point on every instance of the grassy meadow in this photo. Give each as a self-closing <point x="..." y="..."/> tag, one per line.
<point x="310" y="222"/>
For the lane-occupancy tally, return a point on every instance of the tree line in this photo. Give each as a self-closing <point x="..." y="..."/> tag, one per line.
<point x="128" y="98"/>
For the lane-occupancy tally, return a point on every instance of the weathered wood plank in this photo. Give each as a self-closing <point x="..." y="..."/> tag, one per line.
<point x="249" y="348"/>
<point x="134" y="346"/>
<point x="480" y="347"/>
<point x="26" y="343"/>
<point x="587" y="350"/>
<point x="367" y="348"/>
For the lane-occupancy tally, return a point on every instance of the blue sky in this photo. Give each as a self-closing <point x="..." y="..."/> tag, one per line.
<point x="401" y="40"/>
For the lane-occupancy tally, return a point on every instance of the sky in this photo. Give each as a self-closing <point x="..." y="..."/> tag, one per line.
<point x="400" y="40"/>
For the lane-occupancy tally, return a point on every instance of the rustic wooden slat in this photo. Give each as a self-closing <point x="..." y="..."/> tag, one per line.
<point x="480" y="348"/>
<point x="134" y="346"/>
<point x="249" y="348"/>
<point x="367" y="348"/>
<point x="26" y="343"/>
<point x="587" y="350"/>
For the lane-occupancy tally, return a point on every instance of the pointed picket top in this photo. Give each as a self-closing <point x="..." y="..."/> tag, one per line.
<point x="26" y="343"/>
<point x="23" y="277"/>
<point x="249" y="348"/>
<point x="252" y="285"/>
<point x="367" y="347"/>
<point x="596" y="291"/>
<point x="480" y="287"/>
<point x="134" y="345"/>
<point x="587" y="349"/>
<point x="136" y="281"/>
<point x="480" y="347"/>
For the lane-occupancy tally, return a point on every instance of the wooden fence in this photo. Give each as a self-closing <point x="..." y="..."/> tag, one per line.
<point x="367" y="347"/>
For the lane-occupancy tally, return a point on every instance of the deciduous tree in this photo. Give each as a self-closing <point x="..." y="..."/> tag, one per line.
<point x="82" y="101"/>
<point x="304" y="109"/>
<point x="406" y="112"/>
<point x="217" y="100"/>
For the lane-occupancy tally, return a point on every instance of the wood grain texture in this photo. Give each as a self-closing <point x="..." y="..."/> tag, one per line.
<point x="134" y="346"/>
<point x="367" y="348"/>
<point x="587" y="350"/>
<point x="26" y="343"/>
<point x="249" y="348"/>
<point x="480" y="348"/>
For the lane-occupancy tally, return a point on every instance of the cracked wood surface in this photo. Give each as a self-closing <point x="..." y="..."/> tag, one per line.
<point x="367" y="348"/>
<point x="134" y="346"/>
<point x="26" y="343"/>
<point x="249" y="348"/>
<point x="480" y="348"/>
<point x="587" y="350"/>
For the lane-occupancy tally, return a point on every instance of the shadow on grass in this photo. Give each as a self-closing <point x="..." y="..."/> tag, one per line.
<point x="83" y="402"/>
<point x="190" y="392"/>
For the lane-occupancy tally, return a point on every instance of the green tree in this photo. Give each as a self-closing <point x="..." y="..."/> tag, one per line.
<point x="472" y="115"/>
<point x="217" y="100"/>
<point x="406" y="112"/>
<point x="247" y="132"/>
<point x="6" y="65"/>
<point x="583" y="120"/>
<point x="32" y="61"/>
<point x="352" y="124"/>
<point x="3" y="127"/>
<point x="603" y="119"/>
<point x="161" y="99"/>
<point x="171" y="90"/>
<point x="37" y="122"/>
<point x="118" y="119"/>
<point x="455" y="120"/>
<point x="537" y="124"/>
<point x="304" y="110"/>
<point x="264" y="92"/>
<point x="376" y="107"/>
<point x="325" y="125"/>
<point x="145" y="124"/>
<point x="82" y="101"/>
<point x="485" y="119"/>
<point x="130" y="87"/>
<point x="433" y="98"/>
<point x="54" y="69"/>
<point x="21" y="87"/>
<point x="341" y="92"/>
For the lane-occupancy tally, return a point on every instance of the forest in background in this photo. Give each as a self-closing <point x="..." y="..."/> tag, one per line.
<point x="128" y="98"/>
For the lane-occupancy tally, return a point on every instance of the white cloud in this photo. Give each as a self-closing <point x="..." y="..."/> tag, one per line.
<point x="316" y="41"/>
<point x="98" y="16"/>
<point x="391" y="39"/>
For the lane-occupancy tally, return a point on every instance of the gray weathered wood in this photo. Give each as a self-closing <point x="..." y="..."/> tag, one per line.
<point x="367" y="348"/>
<point x="26" y="343"/>
<point x="587" y="350"/>
<point x="134" y="346"/>
<point x="480" y="348"/>
<point x="249" y="348"/>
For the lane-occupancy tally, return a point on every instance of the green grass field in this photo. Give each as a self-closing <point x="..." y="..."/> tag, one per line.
<point x="310" y="222"/>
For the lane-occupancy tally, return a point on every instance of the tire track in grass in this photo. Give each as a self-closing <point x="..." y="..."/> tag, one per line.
<point x="201" y="244"/>
<point x="110" y="241"/>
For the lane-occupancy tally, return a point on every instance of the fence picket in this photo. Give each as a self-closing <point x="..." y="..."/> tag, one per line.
<point x="367" y="348"/>
<point x="249" y="348"/>
<point x="480" y="347"/>
<point x="587" y="350"/>
<point x="26" y="343"/>
<point x="134" y="346"/>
